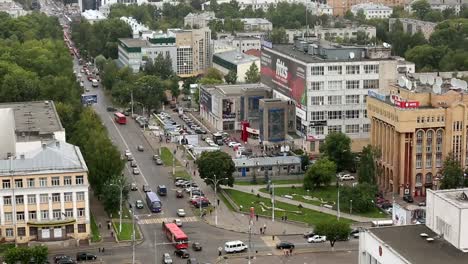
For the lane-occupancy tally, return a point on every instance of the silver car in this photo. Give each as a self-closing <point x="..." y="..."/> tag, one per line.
<point x="167" y="258"/>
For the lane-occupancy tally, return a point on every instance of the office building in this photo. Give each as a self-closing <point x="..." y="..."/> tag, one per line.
<point x="241" y="44"/>
<point x="443" y="238"/>
<point x="193" y="51"/>
<point x="256" y="24"/>
<point x="417" y="123"/>
<point x="340" y="7"/>
<point x="413" y="26"/>
<point x="282" y="167"/>
<point x="372" y="11"/>
<point x="234" y="61"/>
<point x="328" y="84"/>
<point x="348" y="32"/>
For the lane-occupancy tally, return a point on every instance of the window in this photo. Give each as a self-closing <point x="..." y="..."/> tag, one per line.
<point x="19" y="216"/>
<point x="69" y="213"/>
<point x="55" y="181"/>
<point x="81" y="228"/>
<point x="45" y="214"/>
<point x="56" y="214"/>
<point x="317" y="70"/>
<point x="6" y="200"/>
<point x="317" y="130"/>
<point x="44" y="198"/>
<point x="18" y="183"/>
<point x="8" y="217"/>
<point x="43" y="182"/>
<point x="316" y="86"/>
<point x="335" y="85"/>
<point x="31" y="182"/>
<point x="419" y="140"/>
<point x="428" y="160"/>
<point x="439" y="160"/>
<point x="6" y="184"/>
<point x="418" y="161"/>
<point x="334" y="115"/>
<point x="316" y="116"/>
<point x="55" y="197"/>
<point x="67" y="180"/>
<point x="67" y="197"/>
<point x="79" y="180"/>
<point x="19" y="199"/>
<point x="352" y="99"/>
<point x="21" y="231"/>
<point x="334" y="100"/>
<point x="32" y="215"/>
<point x="80" y="196"/>
<point x="81" y="212"/>
<point x="352" y="69"/>
<point x="352" y="84"/>
<point x="429" y="141"/>
<point x="31" y="199"/>
<point x="350" y="114"/>
<point x="335" y="69"/>
<point x="371" y="84"/>
<point x="9" y="232"/>
<point x="352" y="129"/>
<point x="371" y="68"/>
<point x="316" y="100"/>
<point x="332" y="129"/>
<point x="428" y="177"/>
<point x="366" y="128"/>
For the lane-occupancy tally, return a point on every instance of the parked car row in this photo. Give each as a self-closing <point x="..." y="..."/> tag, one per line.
<point x="80" y="256"/>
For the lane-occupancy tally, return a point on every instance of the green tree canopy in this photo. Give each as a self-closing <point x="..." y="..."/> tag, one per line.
<point x="278" y="36"/>
<point x="421" y="8"/>
<point x="149" y="91"/>
<point x="367" y="170"/>
<point x="252" y="75"/>
<point x="334" y="230"/>
<point x="322" y="172"/>
<point x="216" y="163"/>
<point x="231" y="77"/>
<point x="452" y="173"/>
<point x="361" y="195"/>
<point x="337" y="147"/>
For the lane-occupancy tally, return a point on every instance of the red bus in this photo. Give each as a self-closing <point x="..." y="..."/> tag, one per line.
<point x="178" y="238"/>
<point x="120" y="118"/>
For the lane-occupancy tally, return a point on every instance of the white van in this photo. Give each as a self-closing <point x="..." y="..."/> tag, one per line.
<point x="234" y="246"/>
<point x="95" y="83"/>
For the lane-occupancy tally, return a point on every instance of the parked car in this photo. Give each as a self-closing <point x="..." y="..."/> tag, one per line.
<point x="111" y="109"/>
<point x="354" y="233"/>
<point x="408" y="198"/>
<point x="181" y="212"/>
<point x="139" y="204"/>
<point x="179" y="194"/>
<point x="317" y="239"/>
<point x="128" y="153"/>
<point x="234" y="246"/>
<point x="182" y="253"/>
<point x="133" y="164"/>
<point x="347" y="177"/>
<point x="66" y="261"/>
<point x="59" y="257"/>
<point x="84" y="256"/>
<point x="167" y="259"/>
<point x="309" y="234"/>
<point x="196" y="246"/>
<point x="192" y="261"/>
<point x="136" y="171"/>
<point x="159" y="162"/>
<point x="203" y="203"/>
<point x="284" y="245"/>
<point x="178" y="222"/>
<point x="140" y="148"/>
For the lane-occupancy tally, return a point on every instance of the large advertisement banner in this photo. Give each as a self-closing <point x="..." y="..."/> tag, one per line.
<point x="285" y="76"/>
<point x="205" y="100"/>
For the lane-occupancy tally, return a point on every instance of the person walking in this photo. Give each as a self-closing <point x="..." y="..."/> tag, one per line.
<point x="264" y="228"/>
<point x="256" y="217"/>
<point x="261" y="230"/>
<point x="290" y="251"/>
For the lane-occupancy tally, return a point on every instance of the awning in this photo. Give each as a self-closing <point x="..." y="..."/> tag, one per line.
<point x="52" y="223"/>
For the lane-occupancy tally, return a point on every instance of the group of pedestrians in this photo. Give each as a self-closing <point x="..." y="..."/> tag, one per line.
<point x="263" y="229"/>
<point x="288" y="252"/>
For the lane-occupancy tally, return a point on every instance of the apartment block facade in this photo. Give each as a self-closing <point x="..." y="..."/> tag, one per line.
<point x="340" y="7"/>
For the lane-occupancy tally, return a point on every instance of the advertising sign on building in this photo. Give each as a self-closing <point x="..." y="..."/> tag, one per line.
<point x="402" y="103"/>
<point x="205" y="100"/>
<point x="284" y="75"/>
<point x="376" y="95"/>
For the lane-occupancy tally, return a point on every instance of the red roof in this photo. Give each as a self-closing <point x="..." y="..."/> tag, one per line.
<point x="178" y="233"/>
<point x="254" y="52"/>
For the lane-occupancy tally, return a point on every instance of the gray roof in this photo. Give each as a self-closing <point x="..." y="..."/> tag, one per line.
<point x="235" y="57"/>
<point x="134" y="43"/>
<point x="54" y="157"/>
<point x="33" y="120"/>
<point x="454" y="197"/>
<point x="267" y="161"/>
<point x="407" y="242"/>
<point x="236" y="89"/>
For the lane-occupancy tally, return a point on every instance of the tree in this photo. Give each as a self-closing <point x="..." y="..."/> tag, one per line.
<point x="216" y="163"/>
<point x="100" y="60"/>
<point x="452" y="173"/>
<point x="320" y="173"/>
<point x="334" y="230"/>
<point x="337" y="147"/>
<point x="231" y="77"/>
<point x="149" y="91"/>
<point x="111" y="194"/>
<point x="212" y="73"/>
<point x="24" y="255"/>
<point x="252" y="75"/>
<point x="349" y="15"/>
<point x="278" y="36"/>
<point x="421" y="8"/>
<point x="434" y="16"/>
<point x="367" y="170"/>
<point x="362" y="197"/>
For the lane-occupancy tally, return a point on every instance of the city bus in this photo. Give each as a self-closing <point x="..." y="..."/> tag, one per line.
<point x="178" y="238"/>
<point x="153" y="201"/>
<point x="120" y="118"/>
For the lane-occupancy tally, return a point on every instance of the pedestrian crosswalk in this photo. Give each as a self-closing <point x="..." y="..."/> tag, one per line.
<point x="149" y="221"/>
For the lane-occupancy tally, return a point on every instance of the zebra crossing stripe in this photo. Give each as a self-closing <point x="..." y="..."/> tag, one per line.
<point x="149" y="221"/>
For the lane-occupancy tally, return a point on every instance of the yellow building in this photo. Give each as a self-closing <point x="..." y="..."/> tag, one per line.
<point x="416" y="128"/>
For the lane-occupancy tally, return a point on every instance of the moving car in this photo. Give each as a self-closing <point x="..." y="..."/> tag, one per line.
<point x="196" y="246"/>
<point x="234" y="246"/>
<point x="111" y="109"/>
<point x="167" y="258"/>
<point x="181" y="212"/>
<point x="133" y="187"/>
<point x="146" y="188"/>
<point x="309" y="234"/>
<point x="59" y="257"/>
<point x="127" y="153"/>
<point x="136" y="171"/>
<point x="139" y="204"/>
<point x="316" y="239"/>
<point x="140" y="148"/>
<point x="94" y="83"/>
<point x="84" y="256"/>
<point x="178" y="222"/>
<point x="284" y="245"/>
<point x="159" y="162"/>
<point x="179" y="194"/>
<point x="182" y="253"/>
<point x="133" y="164"/>
<point x="162" y="190"/>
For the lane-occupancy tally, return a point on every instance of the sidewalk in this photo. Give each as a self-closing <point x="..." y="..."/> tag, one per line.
<point x="101" y="218"/>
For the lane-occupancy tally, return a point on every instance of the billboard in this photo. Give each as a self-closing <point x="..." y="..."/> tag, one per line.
<point x="403" y="103"/>
<point x="284" y="75"/>
<point x="205" y="100"/>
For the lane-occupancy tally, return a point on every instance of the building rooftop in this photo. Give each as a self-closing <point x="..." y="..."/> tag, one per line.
<point x="134" y="43"/>
<point x="34" y="120"/>
<point x="456" y="197"/>
<point x="370" y="6"/>
<point x="407" y="242"/>
<point x="93" y="15"/>
<point x="54" y="157"/>
<point x="254" y="52"/>
<point x="236" y="89"/>
<point x="235" y="57"/>
<point x="255" y="21"/>
<point x="266" y="161"/>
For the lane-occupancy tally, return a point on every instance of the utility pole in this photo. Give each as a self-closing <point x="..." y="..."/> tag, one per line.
<point x="133" y="237"/>
<point x="131" y="103"/>
<point x="273" y="202"/>
<point x="173" y="162"/>
<point x="155" y="249"/>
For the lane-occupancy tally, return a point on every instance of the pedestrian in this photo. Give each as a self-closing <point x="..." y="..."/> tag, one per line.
<point x="256" y="217"/>
<point x="103" y="249"/>
<point x="220" y="251"/>
<point x="218" y="202"/>
<point x="264" y="228"/>
<point x="112" y="234"/>
<point x="285" y="218"/>
<point x="100" y="226"/>
<point x="261" y="230"/>
<point x="108" y="225"/>
<point x="99" y="249"/>
<point x="290" y="251"/>
<point x="282" y="218"/>
<point x="273" y="237"/>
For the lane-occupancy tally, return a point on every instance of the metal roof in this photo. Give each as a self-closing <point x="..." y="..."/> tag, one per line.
<point x="267" y="161"/>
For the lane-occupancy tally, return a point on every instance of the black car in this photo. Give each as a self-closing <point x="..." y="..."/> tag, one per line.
<point x="59" y="257"/>
<point x="284" y="245"/>
<point x="111" y="109"/>
<point x="84" y="256"/>
<point x="408" y="198"/>
<point x="197" y="246"/>
<point x="309" y="234"/>
<point x="354" y="233"/>
<point x="182" y="253"/>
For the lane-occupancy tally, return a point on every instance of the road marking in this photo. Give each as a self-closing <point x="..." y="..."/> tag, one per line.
<point x="149" y="221"/>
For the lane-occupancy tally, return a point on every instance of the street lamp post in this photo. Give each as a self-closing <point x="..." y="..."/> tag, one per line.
<point x="351" y="207"/>
<point x="338" y="203"/>
<point x="121" y="194"/>
<point x="215" y="182"/>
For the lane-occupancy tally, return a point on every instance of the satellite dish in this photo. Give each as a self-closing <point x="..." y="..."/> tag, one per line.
<point x="351" y="55"/>
<point x="454" y="82"/>
<point x="423" y="79"/>
<point x="463" y="84"/>
<point x="436" y="89"/>
<point x="439" y="81"/>
<point x="430" y="80"/>
<point x="401" y="81"/>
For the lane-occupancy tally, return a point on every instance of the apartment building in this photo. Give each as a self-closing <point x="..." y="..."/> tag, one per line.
<point x="340" y="7"/>
<point x="234" y="61"/>
<point x="441" y="5"/>
<point x="193" y="51"/>
<point x="413" y="26"/>
<point x="329" y="85"/>
<point x="349" y="32"/>
<point x="372" y="10"/>
<point x="257" y="24"/>
<point x="417" y="123"/>
<point x="241" y="44"/>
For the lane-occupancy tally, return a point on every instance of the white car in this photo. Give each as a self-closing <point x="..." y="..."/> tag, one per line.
<point x="233" y="144"/>
<point x="136" y="171"/>
<point x="317" y="239"/>
<point x="127" y="153"/>
<point x="181" y="212"/>
<point x="178" y="222"/>
<point x="347" y="177"/>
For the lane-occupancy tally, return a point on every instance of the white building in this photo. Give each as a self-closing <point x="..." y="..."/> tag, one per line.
<point x="372" y="10"/>
<point x="441" y="5"/>
<point x="443" y="239"/>
<point x="241" y="44"/>
<point x="344" y="33"/>
<point x="329" y="84"/>
<point x="93" y="16"/>
<point x="235" y="61"/>
<point x="199" y="20"/>
<point x="257" y="24"/>
<point x="138" y="29"/>
<point x="318" y="9"/>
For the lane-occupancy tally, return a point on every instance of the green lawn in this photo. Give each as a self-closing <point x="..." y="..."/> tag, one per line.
<point x="127" y="230"/>
<point x="182" y="173"/>
<point x="95" y="235"/>
<point x="326" y="194"/>
<point x="166" y="156"/>
<point x="293" y="212"/>
<point x="298" y="182"/>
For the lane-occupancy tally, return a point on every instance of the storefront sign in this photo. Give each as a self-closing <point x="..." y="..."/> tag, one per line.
<point x="252" y="131"/>
<point x="402" y="103"/>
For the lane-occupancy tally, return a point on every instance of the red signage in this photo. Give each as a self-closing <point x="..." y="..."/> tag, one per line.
<point x="402" y="103"/>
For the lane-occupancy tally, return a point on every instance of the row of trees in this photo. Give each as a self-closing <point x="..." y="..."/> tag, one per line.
<point x="25" y="255"/>
<point x="36" y="65"/>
